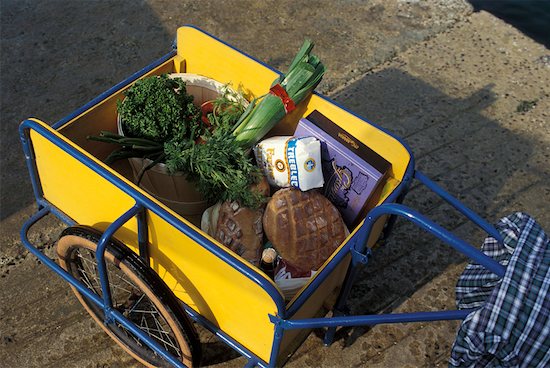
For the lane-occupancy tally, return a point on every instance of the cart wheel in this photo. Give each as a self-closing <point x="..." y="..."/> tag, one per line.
<point x="137" y="292"/>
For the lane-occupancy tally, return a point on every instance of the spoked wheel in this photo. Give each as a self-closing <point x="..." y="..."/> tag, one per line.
<point x="137" y="292"/>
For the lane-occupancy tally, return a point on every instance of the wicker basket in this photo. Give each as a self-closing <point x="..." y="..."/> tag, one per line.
<point x="173" y="189"/>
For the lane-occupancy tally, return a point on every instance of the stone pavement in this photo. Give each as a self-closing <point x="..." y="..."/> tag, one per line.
<point x="454" y="84"/>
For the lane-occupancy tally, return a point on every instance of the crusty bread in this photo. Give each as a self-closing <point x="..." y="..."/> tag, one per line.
<point x="237" y="227"/>
<point x="240" y="229"/>
<point x="304" y="227"/>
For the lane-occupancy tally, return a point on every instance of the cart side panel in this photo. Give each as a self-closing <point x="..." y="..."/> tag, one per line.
<point x="71" y="187"/>
<point x="208" y="56"/>
<point x="379" y="141"/>
<point x="212" y="287"/>
<point x="317" y="304"/>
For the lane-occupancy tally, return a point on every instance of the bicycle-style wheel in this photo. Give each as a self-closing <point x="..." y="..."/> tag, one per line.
<point x="137" y="292"/>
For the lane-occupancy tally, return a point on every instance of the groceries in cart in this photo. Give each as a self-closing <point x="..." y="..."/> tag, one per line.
<point x="304" y="219"/>
<point x="299" y="193"/>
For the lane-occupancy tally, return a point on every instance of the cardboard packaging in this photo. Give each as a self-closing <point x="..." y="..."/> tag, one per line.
<point x="353" y="173"/>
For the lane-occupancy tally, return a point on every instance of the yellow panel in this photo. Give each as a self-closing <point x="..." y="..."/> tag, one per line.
<point x="209" y="57"/>
<point x="384" y="144"/>
<point x="200" y="278"/>
<point x="72" y="187"/>
<point x="213" y="288"/>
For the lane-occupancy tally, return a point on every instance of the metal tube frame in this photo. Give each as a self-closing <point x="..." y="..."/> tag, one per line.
<point x="100" y="257"/>
<point x="361" y="253"/>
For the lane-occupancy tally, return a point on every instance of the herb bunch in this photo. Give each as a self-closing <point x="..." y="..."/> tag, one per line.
<point x="161" y="123"/>
<point x="159" y="109"/>
<point x="221" y="169"/>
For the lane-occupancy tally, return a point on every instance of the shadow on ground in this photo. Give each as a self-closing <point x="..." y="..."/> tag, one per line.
<point x="78" y="56"/>
<point x="456" y="145"/>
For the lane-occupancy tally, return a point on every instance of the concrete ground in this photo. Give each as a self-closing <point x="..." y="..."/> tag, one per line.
<point x="467" y="92"/>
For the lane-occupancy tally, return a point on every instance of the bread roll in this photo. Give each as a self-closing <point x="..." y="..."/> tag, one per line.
<point x="239" y="228"/>
<point x="304" y="227"/>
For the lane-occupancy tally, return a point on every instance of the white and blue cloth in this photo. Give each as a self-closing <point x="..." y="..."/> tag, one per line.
<point x="511" y="325"/>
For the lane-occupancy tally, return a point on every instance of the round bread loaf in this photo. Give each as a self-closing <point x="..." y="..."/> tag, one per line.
<point x="304" y="227"/>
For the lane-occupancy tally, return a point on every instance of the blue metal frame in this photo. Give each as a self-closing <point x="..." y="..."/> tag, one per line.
<point x="282" y="321"/>
<point x="100" y="257"/>
<point x="111" y="314"/>
<point x="361" y="252"/>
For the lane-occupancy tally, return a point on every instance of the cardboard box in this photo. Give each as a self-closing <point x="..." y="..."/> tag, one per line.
<point x="353" y="173"/>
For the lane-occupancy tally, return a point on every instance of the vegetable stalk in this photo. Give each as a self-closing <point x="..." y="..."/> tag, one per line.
<point x="304" y="74"/>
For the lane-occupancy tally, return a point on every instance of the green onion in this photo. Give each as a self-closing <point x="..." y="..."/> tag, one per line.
<point x="130" y="146"/>
<point x="304" y="74"/>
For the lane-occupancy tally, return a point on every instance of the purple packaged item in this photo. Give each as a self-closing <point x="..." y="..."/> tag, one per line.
<point x="353" y="172"/>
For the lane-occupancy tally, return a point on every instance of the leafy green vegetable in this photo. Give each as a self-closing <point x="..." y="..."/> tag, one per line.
<point x="162" y="124"/>
<point x="221" y="168"/>
<point x="163" y="127"/>
<point x="159" y="109"/>
<point x="131" y="146"/>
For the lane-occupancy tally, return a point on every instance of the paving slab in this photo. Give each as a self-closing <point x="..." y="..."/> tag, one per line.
<point x="453" y="84"/>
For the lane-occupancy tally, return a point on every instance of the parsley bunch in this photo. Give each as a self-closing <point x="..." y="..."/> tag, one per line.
<point x="159" y="109"/>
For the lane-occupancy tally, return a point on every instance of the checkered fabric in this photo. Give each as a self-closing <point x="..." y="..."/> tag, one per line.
<point x="511" y="327"/>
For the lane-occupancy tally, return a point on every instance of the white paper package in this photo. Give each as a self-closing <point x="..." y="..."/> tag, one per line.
<point x="289" y="161"/>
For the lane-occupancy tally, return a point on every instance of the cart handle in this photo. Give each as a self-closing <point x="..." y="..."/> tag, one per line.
<point x="369" y="320"/>
<point x="425" y="223"/>
<point x="474" y="217"/>
<point x="360" y="249"/>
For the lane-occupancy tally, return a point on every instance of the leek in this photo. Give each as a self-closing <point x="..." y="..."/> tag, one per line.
<point x="304" y="74"/>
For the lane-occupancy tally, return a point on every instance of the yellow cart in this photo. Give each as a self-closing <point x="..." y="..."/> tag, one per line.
<point x="145" y="273"/>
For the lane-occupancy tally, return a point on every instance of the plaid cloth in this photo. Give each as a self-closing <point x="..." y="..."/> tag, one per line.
<point x="511" y="328"/>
